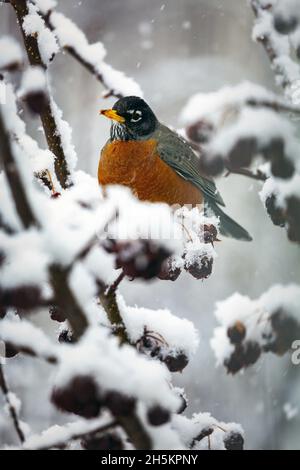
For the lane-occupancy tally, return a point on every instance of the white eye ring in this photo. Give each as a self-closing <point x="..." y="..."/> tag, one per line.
<point x="136" y="112"/>
<point x="136" y="120"/>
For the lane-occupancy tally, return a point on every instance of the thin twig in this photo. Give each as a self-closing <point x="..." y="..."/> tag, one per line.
<point x="11" y="408"/>
<point x="259" y="176"/>
<point x="52" y="135"/>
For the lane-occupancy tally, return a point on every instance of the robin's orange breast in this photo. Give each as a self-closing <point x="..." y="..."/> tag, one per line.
<point x="136" y="164"/>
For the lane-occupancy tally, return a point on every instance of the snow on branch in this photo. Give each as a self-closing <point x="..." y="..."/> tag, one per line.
<point x="251" y="327"/>
<point x="12" y="405"/>
<point x="277" y="27"/>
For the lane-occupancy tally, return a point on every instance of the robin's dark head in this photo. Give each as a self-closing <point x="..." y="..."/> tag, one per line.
<point x="132" y="119"/>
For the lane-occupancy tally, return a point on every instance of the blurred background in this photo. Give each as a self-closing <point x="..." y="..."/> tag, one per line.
<point x="175" y="48"/>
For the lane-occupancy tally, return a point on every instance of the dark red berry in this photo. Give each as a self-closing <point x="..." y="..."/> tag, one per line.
<point x="200" y="268"/>
<point x="57" y="314"/>
<point x="285" y="25"/>
<point x="80" y="396"/>
<point x="157" y="415"/>
<point x="175" y="361"/>
<point x="168" y="272"/>
<point x="211" y="165"/>
<point x="251" y="353"/>
<point x="37" y="101"/>
<point x="210" y="233"/>
<point x="200" y="132"/>
<point x="236" y="333"/>
<point x="276" y="213"/>
<point x="55" y="195"/>
<point x="3" y="311"/>
<point x="242" y="153"/>
<point x="109" y="441"/>
<point x="233" y="441"/>
<point x="119" y="404"/>
<point x="10" y="351"/>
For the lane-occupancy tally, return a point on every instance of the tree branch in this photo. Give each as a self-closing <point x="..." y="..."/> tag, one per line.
<point x="76" y="436"/>
<point x="52" y="135"/>
<point x="12" y="411"/>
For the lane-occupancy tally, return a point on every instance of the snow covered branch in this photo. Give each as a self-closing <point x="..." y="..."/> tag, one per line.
<point x="49" y="113"/>
<point x="90" y="56"/>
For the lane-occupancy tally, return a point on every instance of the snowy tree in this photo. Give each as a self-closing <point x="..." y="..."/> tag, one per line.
<point x="66" y="245"/>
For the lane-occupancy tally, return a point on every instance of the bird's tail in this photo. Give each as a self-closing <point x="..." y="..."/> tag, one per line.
<point x="228" y="227"/>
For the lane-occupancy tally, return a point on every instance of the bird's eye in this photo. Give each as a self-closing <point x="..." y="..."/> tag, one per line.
<point x="135" y="115"/>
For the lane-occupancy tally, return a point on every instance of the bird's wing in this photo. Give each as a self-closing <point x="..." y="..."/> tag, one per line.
<point x="178" y="154"/>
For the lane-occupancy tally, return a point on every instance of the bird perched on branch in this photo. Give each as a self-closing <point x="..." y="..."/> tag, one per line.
<point x="157" y="164"/>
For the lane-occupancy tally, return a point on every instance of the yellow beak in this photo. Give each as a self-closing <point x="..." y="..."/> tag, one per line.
<point x="112" y="114"/>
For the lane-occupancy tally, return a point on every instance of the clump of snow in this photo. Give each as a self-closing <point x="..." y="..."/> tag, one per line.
<point x="282" y="189"/>
<point x="179" y="333"/>
<point x="45" y="5"/>
<point x="33" y="80"/>
<point x="65" y="133"/>
<point x="214" y="105"/>
<point x="10" y="53"/>
<point x="27" y="336"/>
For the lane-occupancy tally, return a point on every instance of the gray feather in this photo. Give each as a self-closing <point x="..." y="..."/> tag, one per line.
<point x="178" y="154"/>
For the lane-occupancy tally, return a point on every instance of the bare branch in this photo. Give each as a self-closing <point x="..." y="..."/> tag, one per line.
<point x="11" y="408"/>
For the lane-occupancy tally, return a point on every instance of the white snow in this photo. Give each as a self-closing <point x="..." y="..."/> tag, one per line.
<point x="33" y="24"/>
<point x="10" y="52"/>
<point x="33" y="80"/>
<point x="254" y="314"/>
<point x="179" y="333"/>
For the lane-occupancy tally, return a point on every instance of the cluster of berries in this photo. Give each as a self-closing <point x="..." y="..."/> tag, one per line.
<point x="153" y="345"/>
<point x="277" y="337"/>
<point x="84" y="397"/>
<point x="147" y="260"/>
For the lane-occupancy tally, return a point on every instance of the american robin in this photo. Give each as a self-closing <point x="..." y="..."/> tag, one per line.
<point x="157" y="164"/>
